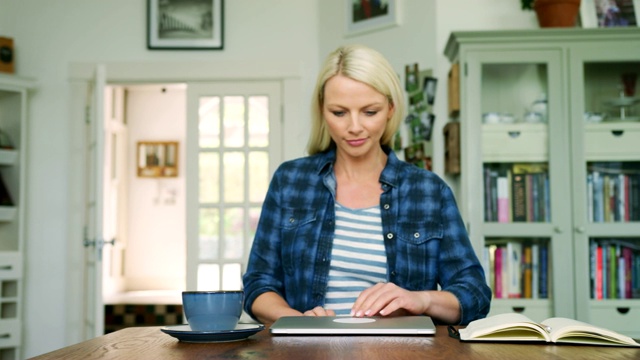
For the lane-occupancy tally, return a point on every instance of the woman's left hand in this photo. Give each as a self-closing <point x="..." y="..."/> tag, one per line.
<point x="389" y="299"/>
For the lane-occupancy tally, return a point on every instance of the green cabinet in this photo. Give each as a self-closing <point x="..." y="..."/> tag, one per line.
<point x="542" y="113"/>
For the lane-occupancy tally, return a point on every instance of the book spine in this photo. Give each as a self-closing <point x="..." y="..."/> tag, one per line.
<point x="590" y="197"/>
<point x="519" y="198"/>
<point x="514" y="250"/>
<point x="528" y="178"/>
<point x="503" y="199"/>
<point x="613" y="265"/>
<point x="535" y="272"/>
<point x="628" y="262"/>
<point x="626" y="199"/>
<point x="526" y="276"/>
<point x="498" y="273"/>
<point x="598" y="195"/>
<point x="599" y="278"/>
<point x="544" y="268"/>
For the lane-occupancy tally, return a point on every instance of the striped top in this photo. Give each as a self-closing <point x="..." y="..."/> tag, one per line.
<point x="358" y="257"/>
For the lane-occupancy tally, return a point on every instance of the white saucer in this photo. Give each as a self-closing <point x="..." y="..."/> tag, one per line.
<point x="185" y="334"/>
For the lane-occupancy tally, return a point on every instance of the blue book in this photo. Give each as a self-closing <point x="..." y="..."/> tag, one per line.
<point x="544" y="269"/>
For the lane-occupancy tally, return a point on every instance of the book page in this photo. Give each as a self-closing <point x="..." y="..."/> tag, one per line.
<point x="573" y="331"/>
<point x="505" y="327"/>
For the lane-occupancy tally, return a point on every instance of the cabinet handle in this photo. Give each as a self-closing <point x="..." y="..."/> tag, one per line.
<point x="518" y="309"/>
<point x="514" y="134"/>
<point x="580" y="229"/>
<point x="623" y="310"/>
<point x="5" y="336"/>
<point x="6" y="267"/>
<point x="617" y="133"/>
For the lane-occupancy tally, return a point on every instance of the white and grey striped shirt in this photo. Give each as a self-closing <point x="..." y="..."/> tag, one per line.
<point x="358" y="257"/>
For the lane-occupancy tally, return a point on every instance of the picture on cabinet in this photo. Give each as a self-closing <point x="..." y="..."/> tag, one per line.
<point x="157" y="159"/>
<point x="366" y="16"/>
<point x="609" y="13"/>
<point x="185" y="25"/>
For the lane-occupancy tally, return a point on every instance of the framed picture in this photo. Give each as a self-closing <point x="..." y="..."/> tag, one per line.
<point x="157" y="159"/>
<point x="609" y="13"/>
<point x="365" y="15"/>
<point x="185" y="25"/>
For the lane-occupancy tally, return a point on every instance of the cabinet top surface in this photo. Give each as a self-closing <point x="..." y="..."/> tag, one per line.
<point x="9" y="82"/>
<point x="546" y="35"/>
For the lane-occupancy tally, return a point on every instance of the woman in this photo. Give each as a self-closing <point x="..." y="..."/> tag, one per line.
<point x="352" y="230"/>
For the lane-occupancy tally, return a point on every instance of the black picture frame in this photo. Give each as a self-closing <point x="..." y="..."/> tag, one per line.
<point x="190" y="25"/>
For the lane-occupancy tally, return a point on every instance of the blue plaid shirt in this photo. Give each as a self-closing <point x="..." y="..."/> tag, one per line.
<point x="425" y="239"/>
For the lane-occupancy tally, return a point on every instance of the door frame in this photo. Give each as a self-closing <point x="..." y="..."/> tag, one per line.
<point x="293" y="94"/>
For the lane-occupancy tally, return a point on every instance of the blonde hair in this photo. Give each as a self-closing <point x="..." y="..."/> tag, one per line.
<point x="365" y="65"/>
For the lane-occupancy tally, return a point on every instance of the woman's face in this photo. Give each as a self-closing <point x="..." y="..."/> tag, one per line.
<point x="356" y="116"/>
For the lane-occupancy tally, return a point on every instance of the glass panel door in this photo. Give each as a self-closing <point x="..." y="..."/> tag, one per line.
<point x="233" y="148"/>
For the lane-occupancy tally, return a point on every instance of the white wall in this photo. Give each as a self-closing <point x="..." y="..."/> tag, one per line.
<point x="51" y="35"/>
<point x="156" y="253"/>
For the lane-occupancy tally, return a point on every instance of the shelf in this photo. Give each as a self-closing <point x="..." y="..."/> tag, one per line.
<point x="8" y="157"/>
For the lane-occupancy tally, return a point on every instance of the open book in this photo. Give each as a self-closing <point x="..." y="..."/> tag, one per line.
<point x="517" y="327"/>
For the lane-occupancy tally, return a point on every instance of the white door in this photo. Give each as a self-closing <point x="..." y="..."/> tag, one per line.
<point x="233" y="147"/>
<point x="99" y="228"/>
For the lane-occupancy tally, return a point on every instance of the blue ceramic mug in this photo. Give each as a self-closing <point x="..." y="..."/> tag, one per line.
<point x="212" y="310"/>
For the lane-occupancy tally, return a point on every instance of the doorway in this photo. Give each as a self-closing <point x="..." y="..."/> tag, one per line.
<point x="230" y="134"/>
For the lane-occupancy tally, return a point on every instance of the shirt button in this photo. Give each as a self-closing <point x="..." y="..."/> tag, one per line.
<point x="292" y="220"/>
<point x="386" y="206"/>
<point x="416" y="235"/>
<point x="390" y="236"/>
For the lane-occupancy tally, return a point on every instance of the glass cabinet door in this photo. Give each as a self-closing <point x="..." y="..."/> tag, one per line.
<point x="606" y="153"/>
<point x="515" y="116"/>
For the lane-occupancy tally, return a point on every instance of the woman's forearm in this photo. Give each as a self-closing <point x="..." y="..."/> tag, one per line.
<point x="269" y="306"/>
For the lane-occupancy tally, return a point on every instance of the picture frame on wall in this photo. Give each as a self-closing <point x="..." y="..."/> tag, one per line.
<point x="185" y="25"/>
<point x="157" y="159"/>
<point x="609" y="13"/>
<point x="363" y="16"/>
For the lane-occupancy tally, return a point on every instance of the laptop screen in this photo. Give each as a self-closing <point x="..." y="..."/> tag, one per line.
<point x="344" y="325"/>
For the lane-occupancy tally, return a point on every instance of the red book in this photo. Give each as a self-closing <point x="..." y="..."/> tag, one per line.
<point x="598" y="282"/>
<point x="498" y="273"/>
<point x="627" y="254"/>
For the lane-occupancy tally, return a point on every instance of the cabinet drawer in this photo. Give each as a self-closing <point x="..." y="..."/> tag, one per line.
<point x="609" y="141"/>
<point x="537" y="310"/>
<point x="514" y="142"/>
<point x="10" y="331"/>
<point x="623" y="318"/>
<point x="10" y="266"/>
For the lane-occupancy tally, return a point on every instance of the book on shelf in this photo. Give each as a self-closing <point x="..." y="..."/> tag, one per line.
<point x="613" y="192"/>
<point x="518" y="269"/>
<point x="514" y="327"/>
<point x="615" y="269"/>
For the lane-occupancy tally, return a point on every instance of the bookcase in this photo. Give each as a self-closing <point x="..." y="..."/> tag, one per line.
<point x="14" y="93"/>
<point x="549" y="185"/>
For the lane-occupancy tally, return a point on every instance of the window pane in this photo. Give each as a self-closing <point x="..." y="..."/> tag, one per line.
<point x="209" y="124"/>
<point x="208" y="277"/>
<point x="233" y="121"/>
<point x="233" y="233"/>
<point x="231" y="277"/>
<point x="258" y="121"/>
<point x="233" y="177"/>
<point x="258" y="175"/>
<point x="209" y="234"/>
<point x="209" y="177"/>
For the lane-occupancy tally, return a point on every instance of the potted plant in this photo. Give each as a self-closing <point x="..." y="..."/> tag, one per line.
<point x="554" y="13"/>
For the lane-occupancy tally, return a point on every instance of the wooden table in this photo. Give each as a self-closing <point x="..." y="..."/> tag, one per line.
<point x="151" y="343"/>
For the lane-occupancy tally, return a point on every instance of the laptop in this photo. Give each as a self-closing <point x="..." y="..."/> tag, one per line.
<point x="346" y="325"/>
